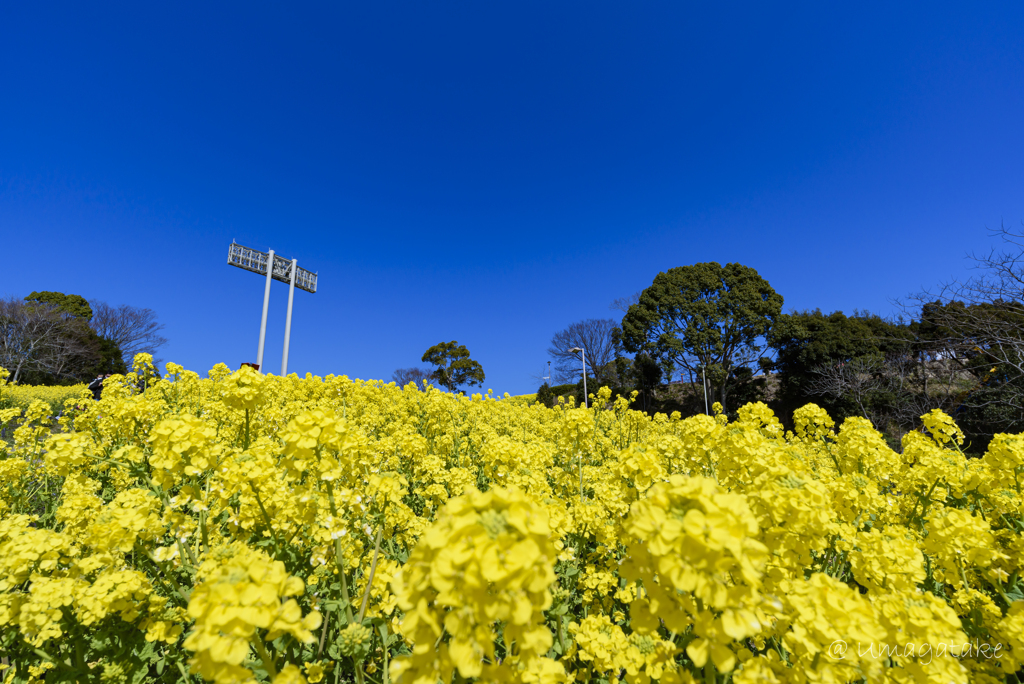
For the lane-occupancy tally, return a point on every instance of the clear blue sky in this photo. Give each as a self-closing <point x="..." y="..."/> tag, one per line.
<point x="492" y="172"/>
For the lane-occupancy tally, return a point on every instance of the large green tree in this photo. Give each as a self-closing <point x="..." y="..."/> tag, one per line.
<point x="72" y="305"/>
<point x="704" y="316"/>
<point x="452" y="365"/>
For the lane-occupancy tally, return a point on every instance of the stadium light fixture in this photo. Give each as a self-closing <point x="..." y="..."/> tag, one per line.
<point x="273" y="267"/>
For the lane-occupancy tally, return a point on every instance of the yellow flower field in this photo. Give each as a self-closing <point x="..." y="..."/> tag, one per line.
<point x="23" y="395"/>
<point x="250" y="528"/>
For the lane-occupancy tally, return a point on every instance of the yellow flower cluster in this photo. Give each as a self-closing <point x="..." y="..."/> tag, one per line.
<point x="488" y="559"/>
<point x="240" y="593"/>
<point x="247" y="528"/>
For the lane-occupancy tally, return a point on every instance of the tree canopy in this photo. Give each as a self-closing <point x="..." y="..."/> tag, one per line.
<point x="72" y="305"/>
<point x="452" y="365"/>
<point x="704" y="315"/>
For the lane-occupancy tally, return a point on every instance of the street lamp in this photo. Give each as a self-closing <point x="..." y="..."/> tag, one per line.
<point x="704" y="380"/>
<point x="276" y="268"/>
<point x="583" y="357"/>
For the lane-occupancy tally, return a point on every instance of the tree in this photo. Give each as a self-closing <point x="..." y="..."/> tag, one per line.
<point x="596" y="337"/>
<point x="623" y="303"/>
<point x="403" y="376"/>
<point x="644" y="374"/>
<point x="41" y="342"/>
<point x="983" y="316"/>
<point x="811" y="346"/>
<point x="889" y="371"/>
<point x="72" y="305"/>
<point x="134" y="330"/>
<point x="453" y="367"/>
<point x="704" y="315"/>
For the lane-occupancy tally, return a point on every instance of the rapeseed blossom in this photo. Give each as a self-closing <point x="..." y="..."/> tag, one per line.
<point x="242" y="527"/>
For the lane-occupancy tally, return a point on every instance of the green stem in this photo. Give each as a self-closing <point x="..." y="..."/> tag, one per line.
<point x="266" y="517"/>
<point x="927" y="501"/>
<point x="323" y="637"/>
<point x="182" y="548"/>
<point x="384" y="643"/>
<point x="963" y="575"/>
<point x="204" y="536"/>
<point x="340" y="562"/>
<point x="836" y="461"/>
<point x="268" y="662"/>
<point x="184" y="594"/>
<point x="339" y="558"/>
<point x="359" y="671"/>
<point x="373" y="569"/>
<point x="46" y="656"/>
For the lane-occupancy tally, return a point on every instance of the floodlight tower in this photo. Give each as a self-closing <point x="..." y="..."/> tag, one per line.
<point x="274" y="268"/>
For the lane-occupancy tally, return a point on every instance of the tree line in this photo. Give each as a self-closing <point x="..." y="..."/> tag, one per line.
<point x="720" y="332"/>
<point x="53" y="338"/>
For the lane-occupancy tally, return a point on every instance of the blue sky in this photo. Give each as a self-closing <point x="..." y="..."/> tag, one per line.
<point x="492" y="172"/>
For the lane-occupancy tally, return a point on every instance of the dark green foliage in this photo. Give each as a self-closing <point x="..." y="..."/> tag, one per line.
<point x="108" y="358"/>
<point x="544" y="395"/>
<point x="704" y="315"/>
<point x="643" y="374"/>
<point x="804" y="342"/>
<point x="548" y="395"/>
<point x="893" y="372"/>
<point x="453" y="367"/>
<point x="72" y="305"/>
<point x="747" y="388"/>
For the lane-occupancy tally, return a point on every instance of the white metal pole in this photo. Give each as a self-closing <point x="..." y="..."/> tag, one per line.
<point x="266" y="305"/>
<point x="704" y="380"/>
<point x="583" y="355"/>
<point x="288" y="319"/>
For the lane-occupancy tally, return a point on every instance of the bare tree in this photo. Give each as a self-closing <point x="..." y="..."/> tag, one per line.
<point x="132" y="329"/>
<point x="403" y="376"/>
<point x="623" y="303"/>
<point x="39" y="338"/>
<point x="855" y="380"/>
<point x="979" y="321"/>
<point x="893" y="390"/>
<point x="596" y="337"/>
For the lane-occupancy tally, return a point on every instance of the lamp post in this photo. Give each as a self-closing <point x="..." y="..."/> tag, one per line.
<point x="273" y="267"/>
<point x="704" y="381"/>
<point x="583" y="357"/>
